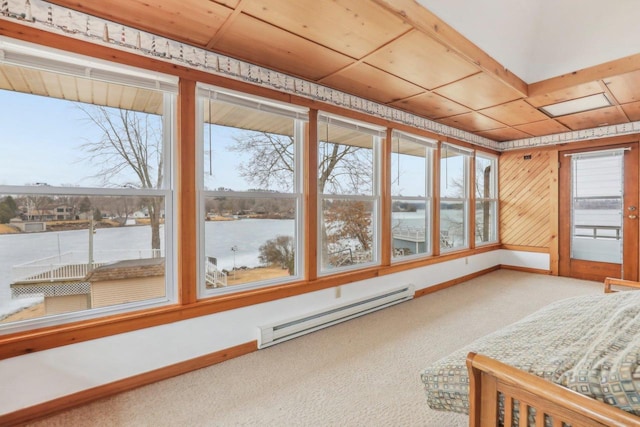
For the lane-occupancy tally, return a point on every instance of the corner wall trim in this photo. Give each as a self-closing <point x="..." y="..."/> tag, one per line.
<point x="525" y="269"/>
<point x="60" y="404"/>
<point x="449" y="283"/>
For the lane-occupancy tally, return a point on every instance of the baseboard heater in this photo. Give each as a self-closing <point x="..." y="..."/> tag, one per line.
<point x="292" y="328"/>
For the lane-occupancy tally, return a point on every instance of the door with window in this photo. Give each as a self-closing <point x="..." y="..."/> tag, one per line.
<point x="598" y="227"/>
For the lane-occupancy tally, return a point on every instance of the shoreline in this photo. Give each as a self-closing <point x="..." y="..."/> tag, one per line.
<point x="71" y="225"/>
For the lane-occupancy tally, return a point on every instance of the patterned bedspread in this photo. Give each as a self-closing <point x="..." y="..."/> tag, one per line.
<point x="590" y="344"/>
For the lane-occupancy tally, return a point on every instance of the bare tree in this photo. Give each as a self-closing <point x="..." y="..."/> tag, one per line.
<point x="129" y="154"/>
<point x="342" y="169"/>
<point x="37" y="206"/>
<point x="271" y="162"/>
<point x="272" y="156"/>
<point x="279" y="251"/>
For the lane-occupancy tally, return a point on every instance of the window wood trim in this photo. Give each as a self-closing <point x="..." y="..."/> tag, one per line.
<point x="188" y="306"/>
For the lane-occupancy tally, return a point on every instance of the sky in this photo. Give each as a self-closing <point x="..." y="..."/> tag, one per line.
<point x="42" y="142"/>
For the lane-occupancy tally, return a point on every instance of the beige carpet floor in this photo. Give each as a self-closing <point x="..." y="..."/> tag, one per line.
<point x="364" y="372"/>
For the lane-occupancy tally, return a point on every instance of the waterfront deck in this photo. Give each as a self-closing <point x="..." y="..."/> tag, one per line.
<point x="73" y="265"/>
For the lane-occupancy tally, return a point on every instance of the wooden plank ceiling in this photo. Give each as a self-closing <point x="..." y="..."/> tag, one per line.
<point x="393" y="52"/>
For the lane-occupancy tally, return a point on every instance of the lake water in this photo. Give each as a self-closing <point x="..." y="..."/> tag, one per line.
<point x="244" y="236"/>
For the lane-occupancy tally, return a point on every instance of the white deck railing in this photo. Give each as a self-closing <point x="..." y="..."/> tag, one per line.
<point x="215" y="277"/>
<point x="410" y="234"/>
<point x="74" y="265"/>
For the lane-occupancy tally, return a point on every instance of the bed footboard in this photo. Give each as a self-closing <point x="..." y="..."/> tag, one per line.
<point x="501" y="395"/>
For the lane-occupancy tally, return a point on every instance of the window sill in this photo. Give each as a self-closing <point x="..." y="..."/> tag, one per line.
<point x="55" y="336"/>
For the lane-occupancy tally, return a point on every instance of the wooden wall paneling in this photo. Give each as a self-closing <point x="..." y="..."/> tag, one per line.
<point x="187" y="244"/>
<point x="524" y="199"/>
<point x="554" y="209"/>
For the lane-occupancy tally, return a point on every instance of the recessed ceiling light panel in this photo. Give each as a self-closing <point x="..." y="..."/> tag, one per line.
<point x="577" y="105"/>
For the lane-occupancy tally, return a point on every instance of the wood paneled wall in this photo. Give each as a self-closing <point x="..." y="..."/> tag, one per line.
<point x="528" y="199"/>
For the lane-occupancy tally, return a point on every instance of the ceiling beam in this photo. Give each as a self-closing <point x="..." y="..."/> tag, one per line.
<point x="586" y="75"/>
<point x="423" y="20"/>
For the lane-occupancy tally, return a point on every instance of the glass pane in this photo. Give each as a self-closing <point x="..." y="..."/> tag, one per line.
<point x="347" y="232"/>
<point x="486" y="219"/>
<point x="453" y="220"/>
<point x="247" y="149"/>
<point x="597" y="208"/>
<point x="345" y="158"/>
<point x="249" y="240"/>
<point x="82" y="145"/>
<point x="410" y="227"/>
<point x="409" y="168"/>
<point x="454" y="178"/>
<point x="485" y="177"/>
<point x="61" y="253"/>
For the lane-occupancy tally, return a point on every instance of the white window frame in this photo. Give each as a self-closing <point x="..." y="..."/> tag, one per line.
<point x="468" y="156"/>
<point x="378" y="133"/>
<point x="430" y="147"/>
<point x="207" y="93"/>
<point x="493" y="201"/>
<point x="31" y="56"/>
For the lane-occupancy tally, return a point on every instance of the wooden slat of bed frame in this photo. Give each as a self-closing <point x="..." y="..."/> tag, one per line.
<point x="508" y="411"/>
<point x="611" y="281"/>
<point x="489" y="378"/>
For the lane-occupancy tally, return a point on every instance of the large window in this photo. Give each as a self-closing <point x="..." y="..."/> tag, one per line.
<point x="486" y="186"/>
<point x="251" y="201"/>
<point x="411" y="195"/>
<point x="348" y="188"/>
<point x="85" y="187"/>
<point x="454" y="197"/>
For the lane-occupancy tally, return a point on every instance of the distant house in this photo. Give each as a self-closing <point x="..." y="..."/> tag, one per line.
<point x="140" y="214"/>
<point x="64" y="213"/>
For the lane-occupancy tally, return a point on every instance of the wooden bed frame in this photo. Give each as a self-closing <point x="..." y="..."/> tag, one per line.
<point x="490" y="381"/>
